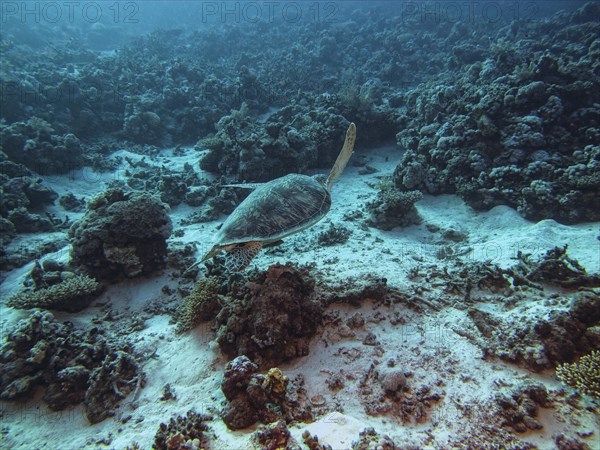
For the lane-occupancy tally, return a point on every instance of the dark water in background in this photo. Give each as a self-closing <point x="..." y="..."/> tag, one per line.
<point x="104" y="25"/>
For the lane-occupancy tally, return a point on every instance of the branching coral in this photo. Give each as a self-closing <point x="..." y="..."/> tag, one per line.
<point x="201" y="305"/>
<point x="72" y="295"/>
<point x="584" y="375"/>
<point x="335" y="234"/>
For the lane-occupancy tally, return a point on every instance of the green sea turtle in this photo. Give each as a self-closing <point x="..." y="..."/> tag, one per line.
<point x="277" y="209"/>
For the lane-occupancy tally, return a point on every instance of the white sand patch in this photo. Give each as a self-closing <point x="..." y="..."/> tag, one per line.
<point x="335" y="429"/>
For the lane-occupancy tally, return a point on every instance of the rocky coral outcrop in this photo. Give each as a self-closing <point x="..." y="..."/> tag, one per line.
<point x="274" y="435"/>
<point x="253" y="397"/>
<point x="273" y="319"/>
<point x="122" y="234"/>
<point x="35" y="145"/>
<point x="23" y="196"/>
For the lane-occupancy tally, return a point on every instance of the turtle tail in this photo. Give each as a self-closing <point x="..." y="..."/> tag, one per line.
<point x="343" y="157"/>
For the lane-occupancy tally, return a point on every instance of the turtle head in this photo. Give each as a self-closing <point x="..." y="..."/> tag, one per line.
<point x="320" y="178"/>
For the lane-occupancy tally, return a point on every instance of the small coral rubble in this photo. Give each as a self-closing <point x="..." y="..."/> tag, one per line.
<point x="549" y="336"/>
<point x="519" y="409"/>
<point x="183" y="432"/>
<point x="74" y="366"/>
<point x="393" y="395"/>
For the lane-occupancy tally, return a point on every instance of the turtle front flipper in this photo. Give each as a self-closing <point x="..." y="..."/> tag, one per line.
<point x="240" y="255"/>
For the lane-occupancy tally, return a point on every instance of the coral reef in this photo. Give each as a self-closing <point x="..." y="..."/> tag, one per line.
<point x="271" y="319"/>
<point x="22" y="197"/>
<point x="122" y="234"/>
<point x="173" y="187"/>
<point x="521" y="133"/>
<point x="143" y="127"/>
<point x="583" y="375"/>
<point x="219" y="200"/>
<point x="504" y="113"/>
<point x="34" y="144"/>
<point x="71" y="294"/>
<point x="293" y="139"/>
<point x="74" y="366"/>
<point x="252" y="397"/>
<point x="183" y="432"/>
<point x="18" y="254"/>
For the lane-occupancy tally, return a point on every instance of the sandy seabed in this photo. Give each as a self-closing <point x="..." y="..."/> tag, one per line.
<point x="430" y="343"/>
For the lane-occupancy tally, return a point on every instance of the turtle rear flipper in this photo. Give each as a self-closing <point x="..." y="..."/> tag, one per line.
<point x="343" y="157"/>
<point x="238" y="258"/>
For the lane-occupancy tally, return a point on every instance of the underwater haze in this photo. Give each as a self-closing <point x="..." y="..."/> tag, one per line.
<point x="344" y="225"/>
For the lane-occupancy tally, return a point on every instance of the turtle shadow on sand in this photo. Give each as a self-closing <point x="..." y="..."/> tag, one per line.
<point x="275" y="210"/>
